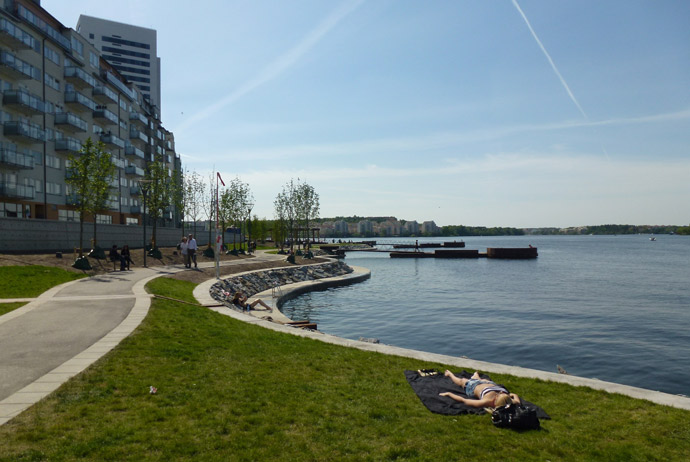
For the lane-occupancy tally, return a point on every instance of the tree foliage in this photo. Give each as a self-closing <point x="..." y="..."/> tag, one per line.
<point x="297" y="205"/>
<point x="91" y="173"/>
<point x="159" y="194"/>
<point x="234" y="203"/>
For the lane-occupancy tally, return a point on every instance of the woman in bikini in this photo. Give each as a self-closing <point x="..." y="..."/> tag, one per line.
<point x="485" y="392"/>
<point x="240" y="300"/>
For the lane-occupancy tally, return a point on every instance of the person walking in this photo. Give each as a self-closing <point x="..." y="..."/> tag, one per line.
<point x="191" y="250"/>
<point x="184" y="250"/>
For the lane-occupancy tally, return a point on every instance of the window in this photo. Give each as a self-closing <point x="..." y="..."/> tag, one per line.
<point x="130" y="43"/>
<point x="52" y="55"/>
<point x="52" y="82"/>
<point x="104" y="219"/>
<point x="10" y="210"/>
<point x="127" y="52"/>
<point x="54" y="188"/>
<point x="77" y="47"/>
<point x="53" y="162"/>
<point x="68" y="215"/>
<point x="93" y="59"/>
<point x="132" y="221"/>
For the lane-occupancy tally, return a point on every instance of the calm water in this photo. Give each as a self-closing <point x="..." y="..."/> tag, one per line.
<point x="616" y="308"/>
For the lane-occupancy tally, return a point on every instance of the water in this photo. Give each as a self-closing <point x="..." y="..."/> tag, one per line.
<point x="616" y="308"/>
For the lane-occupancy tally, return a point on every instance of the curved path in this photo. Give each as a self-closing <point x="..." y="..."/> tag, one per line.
<point x="66" y="329"/>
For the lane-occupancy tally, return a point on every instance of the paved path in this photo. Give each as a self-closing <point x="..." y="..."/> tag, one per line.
<point x="63" y="331"/>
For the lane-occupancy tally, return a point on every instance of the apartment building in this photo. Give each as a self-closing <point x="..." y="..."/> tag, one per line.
<point x="132" y="50"/>
<point x="57" y="91"/>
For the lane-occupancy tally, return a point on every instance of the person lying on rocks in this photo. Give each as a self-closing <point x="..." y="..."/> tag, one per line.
<point x="240" y="300"/>
<point x="485" y="392"/>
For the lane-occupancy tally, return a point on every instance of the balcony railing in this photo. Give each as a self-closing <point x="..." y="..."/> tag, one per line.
<point x="106" y="115"/>
<point x="71" y="122"/>
<point x="79" y="101"/>
<point x="135" y="210"/>
<point x="133" y="151"/>
<point x="17" y="38"/>
<point x="24" y="132"/>
<point x="68" y="144"/>
<point x="104" y="95"/>
<point x="137" y="135"/>
<point x="17" y="191"/>
<point x="134" y="170"/>
<point x="134" y="191"/>
<point x="23" y="101"/>
<point x="138" y="118"/>
<point x="112" y="140"/>
<point x="14" y="67"/>
<point x="12" y="158"/>
<point x="78" y="77"/>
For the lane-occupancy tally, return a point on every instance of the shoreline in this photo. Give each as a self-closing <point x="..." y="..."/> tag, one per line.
<point x="203" y="295"/>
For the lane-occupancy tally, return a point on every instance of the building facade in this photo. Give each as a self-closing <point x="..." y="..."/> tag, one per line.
<point x="132" y="50"/>
<point x="57" y="91"/>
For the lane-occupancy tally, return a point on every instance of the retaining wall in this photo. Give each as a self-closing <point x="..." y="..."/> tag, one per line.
<point x="27" y="235"/>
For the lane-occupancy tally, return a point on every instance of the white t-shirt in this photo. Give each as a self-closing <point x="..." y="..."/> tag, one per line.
<point x="183" y="247"/>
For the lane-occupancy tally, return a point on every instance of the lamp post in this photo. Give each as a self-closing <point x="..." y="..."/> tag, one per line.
<point x="144" y="185"/>
<point x="250" y="206"/>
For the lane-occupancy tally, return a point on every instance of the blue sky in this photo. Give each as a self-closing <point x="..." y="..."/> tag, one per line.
<point x="503" y="113"/>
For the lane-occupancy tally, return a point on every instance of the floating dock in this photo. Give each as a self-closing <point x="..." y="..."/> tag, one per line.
<point x="491" y="252"/>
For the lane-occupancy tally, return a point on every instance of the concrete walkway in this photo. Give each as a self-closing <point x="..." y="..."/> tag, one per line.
<point x="69" y="327"/>
<point x="66" y="329"/>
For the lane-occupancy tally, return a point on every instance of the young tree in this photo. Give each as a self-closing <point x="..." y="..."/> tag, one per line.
<point x="179" y="196"/>
<point x="286" y="213"/>
<point x="90" y="175"/>
<point x="195" y="190"/>
<point x="158" y="197"/>
<point x="234" y="203"/>
<point x="307" y="203"/>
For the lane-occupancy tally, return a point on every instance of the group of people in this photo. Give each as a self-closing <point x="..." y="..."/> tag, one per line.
<point x="188" y="248"/>
<point x="122" y="257"/>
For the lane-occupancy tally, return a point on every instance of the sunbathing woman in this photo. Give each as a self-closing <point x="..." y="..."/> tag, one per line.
<point x="241" y="300"/>
<point x="485" y="392"/>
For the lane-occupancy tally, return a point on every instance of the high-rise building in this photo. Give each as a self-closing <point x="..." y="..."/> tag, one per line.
<point x="132" y="50"/>
<point x="57" y="91"/>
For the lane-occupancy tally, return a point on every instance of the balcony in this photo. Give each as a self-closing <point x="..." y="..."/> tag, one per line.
<point x="133" y="170"/>
<point x="104" y="95"/>
<point x="68" y="144"/>
<point x="79" y="77"/>
<point x="135" y="191"/>
<point x="23" y="132"/>
<point x="140" y="119"/>
<point x="23" y="101"/>
<point x="72" y="199"/>
<point x="135" y="210"/>
<point x="79" y="102"/>
<point x="70" y="122"/>
<point x="137" y="135"/>
<point x="132" y="151"/>
<point x="15" y="68"/>
<point x="16" y="38"/>
<point x="16" y="191"/>
<point x="109" y="117"/>
<point x="112" y="140"/>
<point x="13" y="159"/>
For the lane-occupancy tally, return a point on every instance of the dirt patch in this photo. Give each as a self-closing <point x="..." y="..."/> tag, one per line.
<point x="170" y="256"/>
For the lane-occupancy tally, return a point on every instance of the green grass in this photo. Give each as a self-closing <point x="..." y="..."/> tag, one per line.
<point x="7" y="307"/>
<point x="232" y="391"/>
<point x="32" y="281"/>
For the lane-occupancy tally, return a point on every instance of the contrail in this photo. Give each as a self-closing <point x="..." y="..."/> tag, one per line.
<point x="548" y="57"/>
<point x="279" y="66"/>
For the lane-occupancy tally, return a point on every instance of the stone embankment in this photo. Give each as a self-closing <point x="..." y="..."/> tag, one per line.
<point x="253" y="283"/>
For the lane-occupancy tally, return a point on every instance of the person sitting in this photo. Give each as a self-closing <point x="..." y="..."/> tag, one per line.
<point x="481" y="393"/>
<point x="115" y="257"/>
<point x="126" y="258"/>
<point x="240" y="300"/>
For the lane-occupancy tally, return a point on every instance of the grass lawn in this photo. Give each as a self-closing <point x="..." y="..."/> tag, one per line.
<point x="7" y="307"/>
<point x="32" y="281"/>
<point x="233" y="391"/>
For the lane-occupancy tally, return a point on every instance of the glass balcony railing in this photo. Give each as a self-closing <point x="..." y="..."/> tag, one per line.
<point x="134" y="170"/>
<point x="12" y="158"/>
<point x="138" y="118"/>
<point x="104" y="94"/>
<point x="68" y="144"/>
<point x="79" y="77"/>
<point x="23" y="101"/>
<point x="135" y="134"/>
<point x="112" y="140"/>
<point x="71" y="122"/>
<point x="106" y="115"/>
<point x="132" y="151"/>
<point x="135" y="210"/>
<point x="24" y="132"/>
<point x="80" y="101"/>
<point x="17" y="191"/>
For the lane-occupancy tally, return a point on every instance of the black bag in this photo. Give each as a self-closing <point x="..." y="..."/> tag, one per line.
<point x="516" y="417"/>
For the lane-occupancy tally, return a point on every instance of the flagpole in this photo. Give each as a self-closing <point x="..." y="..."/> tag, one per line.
<point x="217" y="231"/>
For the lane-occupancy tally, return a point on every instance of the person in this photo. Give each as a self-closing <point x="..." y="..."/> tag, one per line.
<point x="481" y="393"/>
<point x="126" y="258"/>
<point x="241" y="301"/>
<point x="191" y="250"/>
<point x="184" y="249"/>
<point x="115" y="257"/>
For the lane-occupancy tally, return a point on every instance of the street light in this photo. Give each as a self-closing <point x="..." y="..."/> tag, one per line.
<point x="144" y="185"/>
<point x="250" y="206"/>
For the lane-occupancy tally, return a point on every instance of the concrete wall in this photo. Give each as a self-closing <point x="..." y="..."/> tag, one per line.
<point x="36" y="236"/>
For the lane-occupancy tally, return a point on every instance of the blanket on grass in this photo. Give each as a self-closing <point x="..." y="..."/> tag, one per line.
<point x="428" y="386"/>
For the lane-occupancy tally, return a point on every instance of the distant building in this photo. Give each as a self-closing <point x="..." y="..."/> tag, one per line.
<point x="365" y="228"/>
<point x="412" y="227"/>
<point x="132" y="50"/>
<point x="340" y="228"/>
<point x="429" y="227"/>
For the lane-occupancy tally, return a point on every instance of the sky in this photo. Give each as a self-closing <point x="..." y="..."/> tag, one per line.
<point x="522" y="113"/>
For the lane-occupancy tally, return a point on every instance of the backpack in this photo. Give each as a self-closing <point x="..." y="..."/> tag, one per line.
<point x="516" y="417"/>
